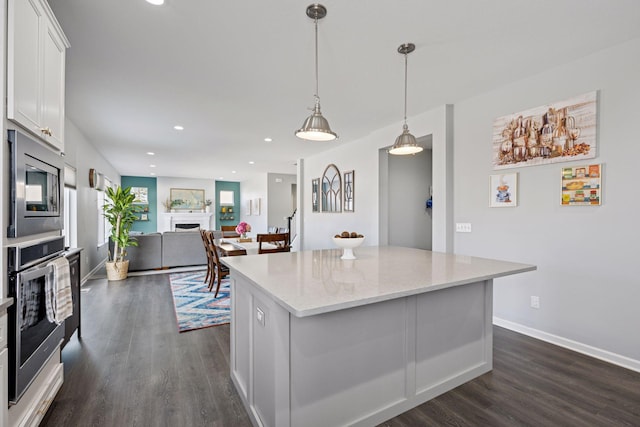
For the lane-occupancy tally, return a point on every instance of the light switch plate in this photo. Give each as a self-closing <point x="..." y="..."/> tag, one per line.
<point x="463" y="227"/>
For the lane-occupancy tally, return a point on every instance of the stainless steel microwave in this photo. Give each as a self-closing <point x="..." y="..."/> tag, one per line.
<point x="36" y="179"/>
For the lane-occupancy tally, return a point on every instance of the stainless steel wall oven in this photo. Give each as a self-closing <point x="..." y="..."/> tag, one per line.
<point x="36" y="181"/>
<point x="32" y="337"/>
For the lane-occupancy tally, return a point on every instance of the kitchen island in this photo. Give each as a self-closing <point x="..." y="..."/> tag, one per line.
<point x="320" y="341"/>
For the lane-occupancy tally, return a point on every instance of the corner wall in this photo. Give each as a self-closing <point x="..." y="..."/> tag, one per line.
<point x="278" y="203"/>
<point x="371" y="208"/>
<point x="82" y="155"/>
<point x="165" y="184"/>
<point x="151" y="224"/>
<point x="586" y="255"/>
<point x="251" y="189"/>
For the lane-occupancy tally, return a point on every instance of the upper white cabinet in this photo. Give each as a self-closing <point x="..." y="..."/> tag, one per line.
<point x="35" y="70"/>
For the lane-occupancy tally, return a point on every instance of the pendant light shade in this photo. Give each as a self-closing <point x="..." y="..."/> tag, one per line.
<point x="405" y="143"/>
<point x="316" y="127"/>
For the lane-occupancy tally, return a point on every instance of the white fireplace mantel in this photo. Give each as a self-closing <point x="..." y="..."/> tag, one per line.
<point x="168" y="220"/>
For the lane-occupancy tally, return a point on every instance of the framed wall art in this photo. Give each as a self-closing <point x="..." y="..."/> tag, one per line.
<point x="582" y="185"/>
<point x="142" y="195"/>
<point x="349" y="187"/>
<point x="503" y="190"/>
<point x="315" y="189"/>
<point x="564" y="131"/>
<point x="331" y="190"/>
<point x="255" y="207"/>
<point x="184" y="198"/>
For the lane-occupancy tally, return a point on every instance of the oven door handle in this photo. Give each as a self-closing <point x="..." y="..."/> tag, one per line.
<point x="34" y="273"/>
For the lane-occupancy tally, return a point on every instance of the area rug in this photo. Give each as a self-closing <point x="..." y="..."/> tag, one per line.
<point x="195" y="306"/>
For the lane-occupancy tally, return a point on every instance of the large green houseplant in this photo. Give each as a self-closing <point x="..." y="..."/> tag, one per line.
<point x="120" y="211"/>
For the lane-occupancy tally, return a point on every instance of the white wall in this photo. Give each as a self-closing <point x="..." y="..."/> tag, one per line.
<point x="81" y="154"/>
<point x="279" y="199"/>
<point x="586" y="279"/>
<point x="409" y="181"/>
<point x="253" y="189"/>
<point x="165" y="184"/>
<point x="318" y="228"/>
<point x="587" y="256"/>
<point x="371" y="208"/>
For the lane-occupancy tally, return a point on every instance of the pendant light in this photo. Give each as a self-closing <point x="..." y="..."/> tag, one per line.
<point x="316" y="127"/>
<point x="405" y="143"/>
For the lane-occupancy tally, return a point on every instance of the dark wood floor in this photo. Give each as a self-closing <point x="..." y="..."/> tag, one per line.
<point x="132" y="368"/>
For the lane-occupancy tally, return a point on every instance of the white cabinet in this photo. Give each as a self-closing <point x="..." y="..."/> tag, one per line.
<point x="4" y="365"/>
<point x="36" y="70"/>
<point x="4" y="385"/>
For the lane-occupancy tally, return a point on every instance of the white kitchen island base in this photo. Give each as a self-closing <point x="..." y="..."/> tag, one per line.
<point x="358" y="365"/>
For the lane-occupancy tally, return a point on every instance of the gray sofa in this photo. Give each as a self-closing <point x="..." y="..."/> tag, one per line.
<point x="165" y="250"/>
<point x="182" y="248"/>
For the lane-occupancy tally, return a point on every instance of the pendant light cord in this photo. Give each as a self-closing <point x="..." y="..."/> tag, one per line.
<point x="405" y="88"/>
<point x="316" y="95"/>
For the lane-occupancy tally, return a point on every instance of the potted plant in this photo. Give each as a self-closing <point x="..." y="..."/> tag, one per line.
<point x="175" y="203"/>
<point x="167" y="205"/>
<point x="120" y="211"/>
<point x="207" y="205"/>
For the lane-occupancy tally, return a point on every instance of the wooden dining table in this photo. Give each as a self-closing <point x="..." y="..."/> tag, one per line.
<point x="231" y="247"/>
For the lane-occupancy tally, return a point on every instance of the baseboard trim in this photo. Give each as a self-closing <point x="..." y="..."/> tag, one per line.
<point x="595" y="352"/>
<point x="92" y="272"/>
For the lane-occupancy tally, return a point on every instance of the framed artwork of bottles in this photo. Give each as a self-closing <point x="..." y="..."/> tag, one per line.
<point x="564" y="131"/>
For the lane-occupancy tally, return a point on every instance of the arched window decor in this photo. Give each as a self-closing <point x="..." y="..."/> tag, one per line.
<point x="331" y="189"/>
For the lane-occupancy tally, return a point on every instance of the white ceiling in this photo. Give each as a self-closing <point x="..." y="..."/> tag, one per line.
<point x="235" y="72"/>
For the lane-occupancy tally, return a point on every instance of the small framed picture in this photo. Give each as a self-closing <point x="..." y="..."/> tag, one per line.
<point x="582" y="185"/>
<point x="503" y="190"/>
<point x="144" y="217"/>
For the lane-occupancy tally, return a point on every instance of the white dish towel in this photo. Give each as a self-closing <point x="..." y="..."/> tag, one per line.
<point x="59" y="300"/>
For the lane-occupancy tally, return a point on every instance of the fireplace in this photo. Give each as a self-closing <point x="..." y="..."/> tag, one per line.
<point x="172" y="221"/>
<point x="187" y="226"/>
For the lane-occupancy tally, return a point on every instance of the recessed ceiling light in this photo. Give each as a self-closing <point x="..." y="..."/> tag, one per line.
<point x="151" y="153"/>
<point x="156" y="2"/>
<point x="178" y="127"/>
<point x="233" y="171"/>
<point x="268" y="140"/>
<point x="152" y="166"/>
<point x="251" y="162"/>
<point x="152" y="174"/>
<point x="222" y="177"/>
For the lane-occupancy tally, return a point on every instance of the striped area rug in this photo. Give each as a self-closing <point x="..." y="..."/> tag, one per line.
<point x="195" y="306"/>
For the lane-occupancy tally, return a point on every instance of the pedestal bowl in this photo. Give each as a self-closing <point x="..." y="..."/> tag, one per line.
<point x="347" y="245"/>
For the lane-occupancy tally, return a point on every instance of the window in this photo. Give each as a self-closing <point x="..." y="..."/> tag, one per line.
<point x="102" y="237"/>
<point x="70" y="208"/>
<point x="226" y="198"/>
<point x="104" y="228"/>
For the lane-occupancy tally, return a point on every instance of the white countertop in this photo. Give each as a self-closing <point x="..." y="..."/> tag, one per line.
<point x="312" y="282"/>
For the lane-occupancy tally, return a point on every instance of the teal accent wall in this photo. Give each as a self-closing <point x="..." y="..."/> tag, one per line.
<point x="151" y="225"/>
<point x="227" y="186"/>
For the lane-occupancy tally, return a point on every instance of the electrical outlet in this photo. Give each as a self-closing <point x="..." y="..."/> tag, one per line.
<point x="463" y="227"/>
<point x="535" y="302"/>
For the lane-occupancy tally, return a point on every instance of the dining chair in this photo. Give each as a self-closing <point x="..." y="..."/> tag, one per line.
<point x="203" y="234"/>
<point x="220" y="269"/>
<point x="279" y="240"/>
<point x="229" y="231"/>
